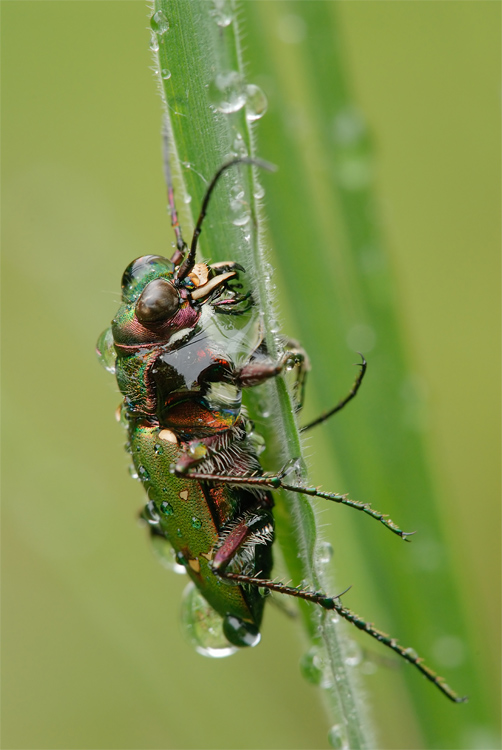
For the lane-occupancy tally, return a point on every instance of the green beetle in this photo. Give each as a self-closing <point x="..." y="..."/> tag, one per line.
<point x="184" y="344"/>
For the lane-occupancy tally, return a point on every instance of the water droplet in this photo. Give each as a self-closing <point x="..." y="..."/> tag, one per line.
<point x="312" y="666"/>
<point x="259" y="192"/>
<point x="227" y="92"/>
<point x="241" y="633"/>
<point x="449" y="651"/>
<point x="361" y="338"/>
<point x="222" y="13"/>
<point x="196" y="522"/>
<point x="411" y="653"/>
<point x="239" y="207"/>
<point x="166" y="555"/>
<point x="256" y="103"/>
<point x="159" y="23"/>
<point x="154" y="43"/>
<point x="187" y="198"/>
<point x="337" y="737"/>
<point x="133" y="472"/>
<point x="242" y="220"/>
<point x="204" y="626"/>
<point x="158" y="449"/>
<point x="291" y="29"/>
<point x="239" y="146"/>
<point x="166" y="508"/>
<point x="165" y="73"/>
<point x="353" y="654"/>
<point x="105" y="351"/>
<point x="324" y="553"/>
<point x="150" y="513"/>
<point x="257" y="441"/>
<point x="143" y="474"/>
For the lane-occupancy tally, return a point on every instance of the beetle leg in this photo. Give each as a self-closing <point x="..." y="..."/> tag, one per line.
<point x="334" y="603"/>
<point x="275" y="482"/>
<point x="357" y="383"/>
<point x="253" y="529"/>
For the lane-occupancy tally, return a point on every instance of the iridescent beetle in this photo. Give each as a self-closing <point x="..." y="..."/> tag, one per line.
<point x="179" y="346"/>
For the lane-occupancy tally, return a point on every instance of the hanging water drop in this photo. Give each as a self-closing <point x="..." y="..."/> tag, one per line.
<point x="204" y="626"/>
<point x="105" y="350"/>
<point x="256" y="103"/>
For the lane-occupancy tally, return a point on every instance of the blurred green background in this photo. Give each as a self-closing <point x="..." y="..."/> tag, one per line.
<point x="93" y="654"/>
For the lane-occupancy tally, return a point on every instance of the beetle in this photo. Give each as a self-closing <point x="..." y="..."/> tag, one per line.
<point x="180" y="346"/>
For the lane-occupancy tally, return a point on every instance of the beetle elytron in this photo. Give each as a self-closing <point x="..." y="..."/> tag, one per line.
<point x="181" y="368"/>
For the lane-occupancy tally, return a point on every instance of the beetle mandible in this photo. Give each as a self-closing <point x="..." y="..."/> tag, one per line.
<point x="182" y="374"/>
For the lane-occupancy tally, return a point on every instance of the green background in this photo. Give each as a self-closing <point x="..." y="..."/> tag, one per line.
<point x="93" y="652"/>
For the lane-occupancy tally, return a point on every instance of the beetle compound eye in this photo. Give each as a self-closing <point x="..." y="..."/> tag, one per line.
<point x="142" y="270"/>
<point x="159" y="301"/>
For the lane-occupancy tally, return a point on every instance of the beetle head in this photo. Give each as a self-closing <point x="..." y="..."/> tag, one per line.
<point x="156" y="304"/>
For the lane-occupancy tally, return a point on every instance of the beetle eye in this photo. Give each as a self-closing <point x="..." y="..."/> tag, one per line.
<point x="159" y="301"/>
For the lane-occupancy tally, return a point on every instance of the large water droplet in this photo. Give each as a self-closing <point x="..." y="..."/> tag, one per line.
<point x="256" y="103"/>
<point x="105" y="351"/>
<point x="133" y="472"/>
<point x="227" y="92"/>
<point x="159" y="22"/>
<point x="204" y="626"/>
<point x="165" y="73"/>
<point x="337" y="737"/>
<point x="312" y="666"/>
<point x="222" y="12"/>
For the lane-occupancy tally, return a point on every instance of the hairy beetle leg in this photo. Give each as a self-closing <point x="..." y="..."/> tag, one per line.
<point x="353" y="391"/>
<point x="274" y="482"/>
<point x="334" y="603"/>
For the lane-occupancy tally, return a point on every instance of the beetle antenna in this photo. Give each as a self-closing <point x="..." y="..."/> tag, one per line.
<point x="181" y="246"/>
<point x="189" y="261"/>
